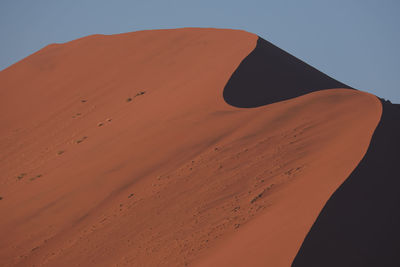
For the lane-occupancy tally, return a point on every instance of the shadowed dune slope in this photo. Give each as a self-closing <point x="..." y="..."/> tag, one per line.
<point x="359" y="226"/>
<point x="269" y="74"/>
<point x="120" y="150"/>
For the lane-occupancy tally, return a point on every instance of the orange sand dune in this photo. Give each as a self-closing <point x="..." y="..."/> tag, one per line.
<point x="120" y="151"/>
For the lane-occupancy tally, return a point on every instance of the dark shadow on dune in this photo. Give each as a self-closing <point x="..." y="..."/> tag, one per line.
<point x="269" y="74"/>
<point x="360" y="224"/>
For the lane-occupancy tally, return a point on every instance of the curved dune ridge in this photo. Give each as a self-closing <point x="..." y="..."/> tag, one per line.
<point x="136" y="150"/>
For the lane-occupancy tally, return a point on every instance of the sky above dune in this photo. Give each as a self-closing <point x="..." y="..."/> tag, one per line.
<point x="355" y="42"/>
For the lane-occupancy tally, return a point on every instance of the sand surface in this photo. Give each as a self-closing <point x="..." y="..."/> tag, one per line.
<point x="121" y="151"/>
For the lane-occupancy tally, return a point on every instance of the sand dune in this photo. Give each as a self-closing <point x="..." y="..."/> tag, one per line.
<point x="126" y="150"/>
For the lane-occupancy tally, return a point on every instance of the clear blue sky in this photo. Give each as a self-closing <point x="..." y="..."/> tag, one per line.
<point x="356" y="42"/>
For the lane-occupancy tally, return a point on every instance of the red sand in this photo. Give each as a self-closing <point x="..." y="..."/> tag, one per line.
<point x="175" y="176"/>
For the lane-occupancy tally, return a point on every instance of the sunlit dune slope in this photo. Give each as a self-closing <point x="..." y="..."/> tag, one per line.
<point x="121" y="151"/>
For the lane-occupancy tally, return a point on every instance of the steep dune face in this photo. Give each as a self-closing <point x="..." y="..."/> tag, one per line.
<point x="359" y="225"/>
<point x="313" y="161"/>
<point x="121" y="150"/>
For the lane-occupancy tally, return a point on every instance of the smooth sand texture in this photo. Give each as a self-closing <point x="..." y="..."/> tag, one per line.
<point x="95" y="173"/>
